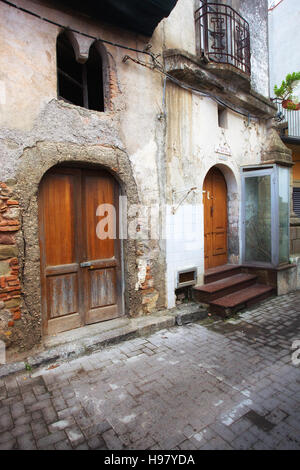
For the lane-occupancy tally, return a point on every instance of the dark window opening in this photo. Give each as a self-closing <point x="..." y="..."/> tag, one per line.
<point x="95" y="80"/>
<point x="79" y="84"/>
<point x="222" y="117"/>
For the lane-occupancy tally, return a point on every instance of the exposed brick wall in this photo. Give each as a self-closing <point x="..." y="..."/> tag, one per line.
<point x="149" y="294"/>
<point x="113" y="87"/>
<point x="10" y="288"/>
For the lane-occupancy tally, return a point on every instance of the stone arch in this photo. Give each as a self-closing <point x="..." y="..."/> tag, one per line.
<point x="36" y="161"/>
<point x="232" y="178"/>
<point x="106" y="66"/>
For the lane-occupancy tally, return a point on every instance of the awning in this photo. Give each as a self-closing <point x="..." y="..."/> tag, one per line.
<point x="140" y="16"/>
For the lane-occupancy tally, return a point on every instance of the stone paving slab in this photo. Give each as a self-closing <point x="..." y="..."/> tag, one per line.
<point x="81" y="341"/>
<point x="209" y="385"/>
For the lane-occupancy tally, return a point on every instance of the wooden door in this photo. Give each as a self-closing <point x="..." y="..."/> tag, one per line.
<point x="215" y="219"/>
<point x="81" y="273"/>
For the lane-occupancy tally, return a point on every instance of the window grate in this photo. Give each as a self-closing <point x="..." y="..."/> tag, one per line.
<point x="296" y="201"/>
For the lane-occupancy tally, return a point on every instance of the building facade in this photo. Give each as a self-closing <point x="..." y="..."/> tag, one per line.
<point x="101" y="118"/>
<point x="285" y="58"/>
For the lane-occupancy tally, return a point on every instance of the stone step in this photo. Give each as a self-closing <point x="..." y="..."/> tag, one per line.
<point x="228" y="285"/>
<point x="221" y="272"/>
<point x="230" y="304"/>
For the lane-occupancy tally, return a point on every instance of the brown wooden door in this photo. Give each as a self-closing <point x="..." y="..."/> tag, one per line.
<point x="215" y="219"/>
<point x="81" y="273"/>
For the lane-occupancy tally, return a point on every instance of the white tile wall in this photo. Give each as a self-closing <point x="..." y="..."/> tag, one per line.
<point x="184" y="245"/>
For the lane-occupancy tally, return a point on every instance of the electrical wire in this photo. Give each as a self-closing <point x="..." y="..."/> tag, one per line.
<point x="24" y="10"/>
<point x="274" y="5"/>
<point x="191" y="88"/>
<point x="155" y="66"/>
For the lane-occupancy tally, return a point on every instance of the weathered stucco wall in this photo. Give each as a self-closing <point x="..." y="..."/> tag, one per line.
<point x="256" y="13"/>
<point x="195" y="143"/>
<point x="37" y="131"/>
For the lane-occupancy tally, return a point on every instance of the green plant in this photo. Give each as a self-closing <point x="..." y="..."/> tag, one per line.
<point x="28" y="366"/>
<point x="285" y="91"/>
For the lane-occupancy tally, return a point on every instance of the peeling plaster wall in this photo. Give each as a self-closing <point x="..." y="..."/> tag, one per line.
<point x="193" y="136"/>
<point x="37" y="131"/>
<point x="256" y="13"/>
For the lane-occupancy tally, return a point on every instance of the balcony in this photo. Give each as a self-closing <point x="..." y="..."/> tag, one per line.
<point x="289" y="121"/>
<point x="223" y="36"/>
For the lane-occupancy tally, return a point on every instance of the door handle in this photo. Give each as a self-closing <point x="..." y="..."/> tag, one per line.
<point x="86" y="264"/>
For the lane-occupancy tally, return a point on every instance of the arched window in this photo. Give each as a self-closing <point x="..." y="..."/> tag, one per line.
<point x="79" y="84"/>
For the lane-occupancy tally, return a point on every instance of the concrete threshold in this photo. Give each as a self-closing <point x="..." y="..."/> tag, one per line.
<point x="82" y="341"/>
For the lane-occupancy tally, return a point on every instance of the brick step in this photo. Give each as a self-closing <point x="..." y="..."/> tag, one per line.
<point x="228" y="285"/>
<point x="221" y="272"/>
<point x="232" y="303"/>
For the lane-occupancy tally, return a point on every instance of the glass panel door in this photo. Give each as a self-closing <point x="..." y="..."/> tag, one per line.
<point x="258" y="219"/>
<point x="265" y="213"/>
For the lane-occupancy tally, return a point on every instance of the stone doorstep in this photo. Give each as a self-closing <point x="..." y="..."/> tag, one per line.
<point x="82" y="341"/>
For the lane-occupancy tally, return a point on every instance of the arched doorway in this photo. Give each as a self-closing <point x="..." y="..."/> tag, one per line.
<point x="81" y="271"/>
<point x="215" y="219"/>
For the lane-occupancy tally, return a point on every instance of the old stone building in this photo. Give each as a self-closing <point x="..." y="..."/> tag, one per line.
<point x="165" y="104"/>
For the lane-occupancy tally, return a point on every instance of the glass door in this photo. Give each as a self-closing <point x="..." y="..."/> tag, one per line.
<point x="258" y="226"/>
<point x="265" y="215"/>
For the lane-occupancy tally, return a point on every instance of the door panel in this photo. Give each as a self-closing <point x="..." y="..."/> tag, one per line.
<point x="62" y="298"/>
<point x="98" y="190"/>
<point x="81" y="274"/>
<point x="102" y="287"/>
<point x="215" y="219"/>
<point x="102" y="276"/>
<point x="59" y="255"/>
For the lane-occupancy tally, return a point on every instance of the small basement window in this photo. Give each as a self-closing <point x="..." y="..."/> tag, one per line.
<point x="187" y="277"/>
<point x="79" y="84"/>
<point x="222" y="117"/>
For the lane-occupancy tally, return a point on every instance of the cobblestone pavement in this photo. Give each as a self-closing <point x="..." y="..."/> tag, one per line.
<point x="211" y="385"/>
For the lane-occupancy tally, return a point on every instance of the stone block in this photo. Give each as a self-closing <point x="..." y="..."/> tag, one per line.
<point x="13" y="303"/>
<point x="6" y="239"/>
<point x="8" y="251"/>
<point x="4" y="268"/>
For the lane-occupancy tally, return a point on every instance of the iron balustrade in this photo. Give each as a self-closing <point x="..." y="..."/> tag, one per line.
<point x="223" y="35"/>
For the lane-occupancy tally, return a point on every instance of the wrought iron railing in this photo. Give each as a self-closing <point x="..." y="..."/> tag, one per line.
<point x="291" y="118"/>
<point x="223" y="35"/>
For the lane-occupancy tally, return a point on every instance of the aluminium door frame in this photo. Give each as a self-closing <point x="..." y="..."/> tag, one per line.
<point x="256" y="172"/>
